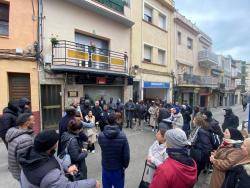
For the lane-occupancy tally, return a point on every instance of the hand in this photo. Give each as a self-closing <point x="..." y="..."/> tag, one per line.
<point x="72" y="169"/>
<point x="212" y="158"/>
<point x="149" y="160"/>
<point x="98" y="185"/>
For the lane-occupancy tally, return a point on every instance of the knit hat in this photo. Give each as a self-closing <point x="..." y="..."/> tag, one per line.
<point x="23" y="101"/>
<point x="177" y="110"/>
<point x="23" y="118"/>
<point x="45" y="140"/>
<point x="176" y="138"/>
<point x="235" y="134"/>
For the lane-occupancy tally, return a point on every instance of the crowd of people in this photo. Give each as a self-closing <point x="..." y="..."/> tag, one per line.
<point x="189" y="141"/>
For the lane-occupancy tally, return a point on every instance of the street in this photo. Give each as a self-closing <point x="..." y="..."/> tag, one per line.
<point x="139" y="142"/>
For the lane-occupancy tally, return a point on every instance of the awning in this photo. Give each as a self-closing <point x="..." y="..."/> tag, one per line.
<point x="164" y="85"/>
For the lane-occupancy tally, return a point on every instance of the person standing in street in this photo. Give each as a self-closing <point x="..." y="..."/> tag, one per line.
<point x="115" y="154"/>
<point x="97" y="112"/>
<point x="111" y="105"/>
<point x="102" y="102"/>
<point x="141" y="111"/>
<point x="186" y="114"/>
<point x="176" y="118"/>
<point x="24" y="105"/>
<point x="8" y="119"/>
<point x="244" y="103"/>
<point x="230" y="120"/>
<point x="19" y="139"/>
<point x="40" y="167"/>
<point x="179" y="170"/>
<point x="91" y="132"/>
<point x="129" y="111"/>
<point x="153" y="116"/>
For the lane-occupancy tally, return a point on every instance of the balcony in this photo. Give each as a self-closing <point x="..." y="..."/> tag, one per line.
<point x="111" y="9"/>
<point x="216" y="70"/>
<point x="207" y="59"/>
<point x="236" y="75"/>
<point x="197" y="81"/>
<point x="74" y="57"/>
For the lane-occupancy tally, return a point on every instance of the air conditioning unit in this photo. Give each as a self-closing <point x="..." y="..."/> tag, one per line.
<point x="19" y="51"/>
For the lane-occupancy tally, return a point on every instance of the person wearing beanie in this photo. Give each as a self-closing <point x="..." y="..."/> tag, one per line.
<point x="19" y="139"/>
<point x="115" y="154"/>
<point x="176" y="118"/>
<point x="74" y="145"/>
<point x="239" y="174"/>
<point x="40" y="167"/>
<point x="230" y="119"/>
<point x="24" y="105"/>
<point x="226" y="156"/>
<point x="8" y="119"/>
<point x="179" y="169"/>
<point x="63" y="124"/>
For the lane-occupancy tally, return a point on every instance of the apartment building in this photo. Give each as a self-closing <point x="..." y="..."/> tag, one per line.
<point x="18" y="44"/>
<point x="152" y="49"/>
<point x="86" y="51"/>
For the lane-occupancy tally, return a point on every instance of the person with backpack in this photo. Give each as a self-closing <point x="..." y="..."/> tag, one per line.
<point x="8" y="119"/>
<point x="73" y="145"/>
<point x="115" y="154"/>
<point x="19" y="139"/>
<point x="239" y="174"/>
<point x="226" y="156"/>
<point x="40" y="167"/>
<point x="230" y="120"/>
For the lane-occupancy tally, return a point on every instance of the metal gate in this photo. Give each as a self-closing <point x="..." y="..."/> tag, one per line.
<point x="51" y="106"/>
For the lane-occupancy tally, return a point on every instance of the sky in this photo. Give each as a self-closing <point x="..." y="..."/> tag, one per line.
<point x="227" y="22"/>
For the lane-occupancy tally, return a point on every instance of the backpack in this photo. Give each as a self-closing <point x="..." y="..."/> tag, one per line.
<point x="215" y="140"/>
<point x="64" y="156"/>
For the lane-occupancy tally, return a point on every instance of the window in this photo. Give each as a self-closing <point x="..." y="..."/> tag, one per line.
<point x="4" y="19"/>
<point x="147" y="53"/>
<point x="161" y="57"/>
<point x="179" y="37"/>
<point x="162" y="21"/>
<point x="190" y="43"/>
<point x="148" y="12"/>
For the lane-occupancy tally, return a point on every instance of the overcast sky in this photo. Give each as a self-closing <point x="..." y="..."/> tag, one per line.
<point x="227" y="22"/>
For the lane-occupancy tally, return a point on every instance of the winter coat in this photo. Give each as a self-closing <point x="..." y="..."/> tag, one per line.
<point x="129" y="110"/>
<point x="177" y="120"/>
<point x="237" y="177"/>
<point x="115" y="148"/>
<point x="75" y="151"/>
<point x="8" y="120"/>
<point x="97" y="111"/>
<point x="230" y="121"/>
<point x="225" y="158"/>
<point x="119" y="107"/>
<point x="63" y="124"/>
<point x="112" y="106"/>
<point x="91" y="132"/>
<point x="153" y="115"/>
<point x="186" y="115"/>
<point x="163" y="114"/>
<point x="47" y="171"/>
<point x="18" y="140"/>
<point x="175" y="173"/>
<point x="141" y="111"/>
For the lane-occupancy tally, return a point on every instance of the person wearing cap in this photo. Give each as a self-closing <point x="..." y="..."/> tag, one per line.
<point x="74" y="144"/>
<point x="19" y="139"/>
<point x="129" y="112"/>
<point x="239" y="174"/>
<point x="157" y="152"/>
<point x="230" y="120"/>
<point x="24" y="105"/>
<point x="8" y="119"/>
<point x="228" y="154"/>
<point x="179" y="169"/>
<point x="40" y="167"/>
<point x="115" y="154"/>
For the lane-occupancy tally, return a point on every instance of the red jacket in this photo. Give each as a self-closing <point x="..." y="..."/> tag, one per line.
<point x="173" y="174"/>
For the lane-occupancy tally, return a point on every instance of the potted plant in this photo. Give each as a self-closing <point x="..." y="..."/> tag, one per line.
<point x="54" y="41"/>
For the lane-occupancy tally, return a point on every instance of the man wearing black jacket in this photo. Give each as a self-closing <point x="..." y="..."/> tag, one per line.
<point x="115" y="154"/>
<point x="231" y="120"/>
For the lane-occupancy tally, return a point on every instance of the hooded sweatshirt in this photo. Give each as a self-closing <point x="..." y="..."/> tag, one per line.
<point x="19" y="140"/>
<point x="115" y="148"/>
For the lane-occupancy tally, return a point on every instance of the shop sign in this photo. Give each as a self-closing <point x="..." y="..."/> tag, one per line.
<point x="156" y="85"/>
<point x="101" y="80"/>
<point x="72" y="93"/>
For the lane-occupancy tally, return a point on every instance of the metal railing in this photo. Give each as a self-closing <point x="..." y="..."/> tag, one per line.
<point x="206" y="55"/>
<point x="89" y="57"/>
<point x="205" y="81"/>
<point x="117" y="5"/>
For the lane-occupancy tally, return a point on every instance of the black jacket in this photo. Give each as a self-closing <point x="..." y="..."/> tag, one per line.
<point x="203" y="141"/>
<point x="141" y="111"/>
<point x="237" y="177"/>
<point x="230" y="121"/>
<point x="8" y="120"/>
<point x="186" y="115"/>
<point x="115" y="148"/>
<point x="163" y="114"/>
<point x="97" y="111"/>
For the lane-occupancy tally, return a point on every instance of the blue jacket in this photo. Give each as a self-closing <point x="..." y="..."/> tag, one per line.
<point x="115" y="148"/>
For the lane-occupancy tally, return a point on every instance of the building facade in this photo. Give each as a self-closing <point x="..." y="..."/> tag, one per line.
<point x="86" y="51"/>
<point x="18" y="65"/>
<point x="152" y="49"/>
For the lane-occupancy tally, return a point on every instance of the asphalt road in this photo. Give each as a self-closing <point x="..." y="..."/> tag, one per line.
<point x="139" y="143"/>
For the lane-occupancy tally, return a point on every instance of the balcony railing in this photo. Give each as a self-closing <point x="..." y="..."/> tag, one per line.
<point x="203" y="81"/>
<point x="117" y="5"/>
<point x="77" y="57"/>
<point x="207" y="58"/>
